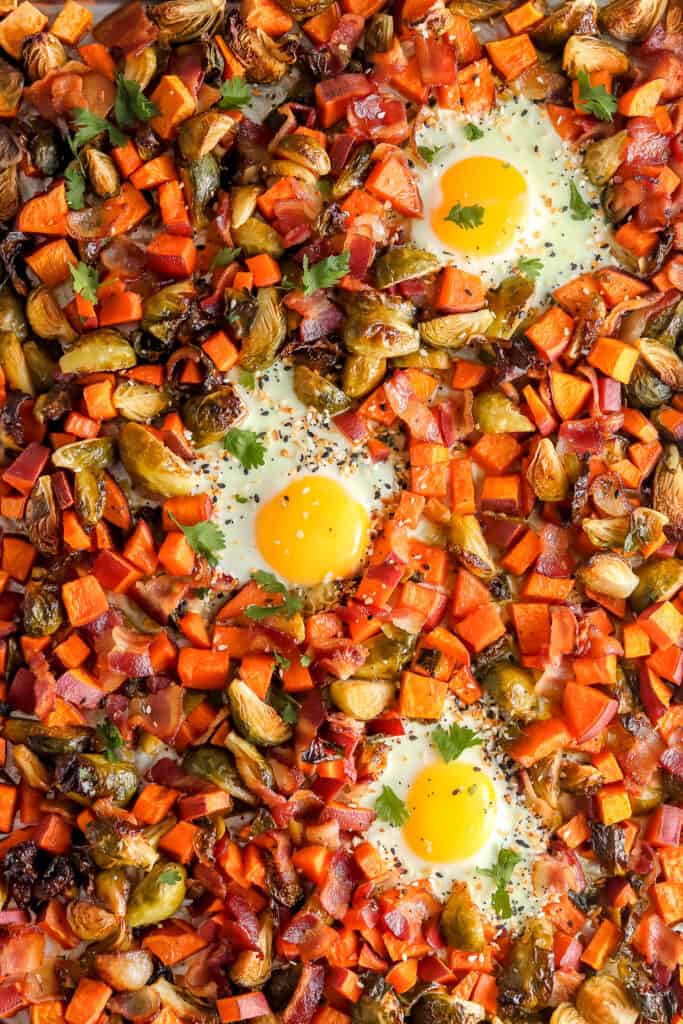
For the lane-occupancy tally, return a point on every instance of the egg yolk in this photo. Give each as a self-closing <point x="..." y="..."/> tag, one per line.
<point x="452" y="812"/>
<point x="495" y="186"/>
<point x="313" y="530"/>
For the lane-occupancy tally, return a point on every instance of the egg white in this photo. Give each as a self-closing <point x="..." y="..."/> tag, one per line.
<point x="299" y="442"/>
<point x="516" y="827"/>
<point x="520" y="133"/>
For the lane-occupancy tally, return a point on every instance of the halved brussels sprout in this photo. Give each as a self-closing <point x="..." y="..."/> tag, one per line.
<point x="302" y="9"/>
<point x="379" y="1004"/>
<point x="526" y="983"/>
<point x="158" y="896"/>
<point x="201" y="181"/>
<point x="379" y="34"/>
<point x="495" y="413"/>
<point x="305" y="151"/>
<point x="658" y="580"/>
<point x="402" y="263"/>
<point x="89" y="497"/>
<point x="90" y="922"/>
<point x="257" y="721"/>
<point x="112" y="888"/>
<point x="210" y="417"/>
<point x="361" y="374"/>
<point x="14" y="365"/>
<point x="113" y="844"/>
<point x="141" y="67"/>
<point x="46" y="740"/>
<point x="263" y="58"/>
<point x="362" y="699"/>
<point x="379" y="325"/>
<point x="354" y="172"/>
<point x="41" y="517"/>
<point x="546" y="473"/>
<point x="102" y="172"/>
<point x="663" y="361"/>
<point x="182" y="21"/>
<point x="41" y="367"/>
<point x="601" y="159"/>
<point x="631" y="20"/>
<point x="480" y="10"/>
<point x="603" y="999"/>
<point x="11" y="85"/>
<point x="42" y="610"/>
<point x="31" y="769"/>
<point x="127" y="971"/>
<point x="12" y="318"/>
<point x="508" y="304"/>
<point x="667" y="490"/>
<point x="388" y="653"/>
<point x="645" y="390"/>
<point x="252" y="767"/>
<point x="9" y="193"/>
<point x="243" y="203"/>
<point x="425" y="359"/>
<point x="608" y="574"/>
<point x="216" y="766"/>
<point x="589" y="53"/>
<point x="152" y="465"/>
<point x="565" y="1013"/>
<point x="461" y="923"/>
<point x="139" y="402"/>
<point x="254" y="236"/>
<point x="455" y="330"/>
<point x="574" y="17"/>
<point x="469" y="546"/>
<point x="165" y="309"/>
<point x="89" y="777"/>
<point x="513" y="690"/>
<point x="312" y="388"/>
<point x="98" y="351"/>
<point x="201" y="134"/>
<point x="267" y="333"/>
<point x="436" y="1006"/>
<point x="606" y="533"/>
<point x="252" y="968"/>
<point x="94" y="453"/>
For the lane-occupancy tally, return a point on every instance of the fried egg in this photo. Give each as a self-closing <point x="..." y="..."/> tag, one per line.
<point x="517" y="176"/>
<point x="460" y="813"/>
<point x="307" y="513"/>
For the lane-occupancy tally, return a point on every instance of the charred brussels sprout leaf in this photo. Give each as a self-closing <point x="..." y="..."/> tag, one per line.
<point x="89" y="777"/>
<point x="210" y="417"/>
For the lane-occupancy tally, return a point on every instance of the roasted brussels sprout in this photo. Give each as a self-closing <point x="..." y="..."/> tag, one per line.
<point x="252" y="968"/>
<point x="589" y="53"/>
<point x="257" y="721"/>
<point x="92" y="454"/>
<point x="645" y="390"/>
<point x="89" y="497"/>
<point x="495" y="413"/>
<point x="114" y="844"/>
<point x="387" y="654"/>
<point x="305" y="151"/>
<point x="98" y="351"/>
<point x="546" y="474"/>
<point x="201" y="179"/>
<point x="181" y="21"/>
<point x="139" y="402"/>
<point x="42" y="608"/>
<point x="302" y="9"/>
<point x="455" y="330"/>
<point x="439" y="1007"/>
<point x="127" y="971"/>
<point x="603" y="999"/>
<point x="152" y="465"/>
<point x="469" y="546"/>
<point x="461" y="923"/>
<point x="360" y="698"/>
<point x="9" y="193"/>
<point x="165" y="310"/>
<point x="11" y="86"/>
<point x="657" y="581"/>
<point x="379" y="34"/>
<point x="264" y="60"/>
<point x="254" y="236"/>
<point x="513" y="690"/>
<point x="606" y="533"/>
<point x="89" y="777"/>
<point x="361" y="374"/>
<point x="46" y="318"/>
<point x="243" y="203"/>
<point x="141" y="67"/>
<point x="565" y="1013"/>
<point x="312" y="388"/>
<point x="210" y="417"/>
<point x="602" y="158"/>
<point x="379" y="325"/>
<point x="574" y="17"/>
<point x="267" y="333"/>
<point x="608" y="574"/>
<point x="216" y="766"/>
<point x="667" y="490"/>
<point x="663" y="361"/>
<point x="201" y="134"/>
<point x="354" y="172"/>
<point x="46" y="740"/>
<point x="379" y="1004"/>
<point x="14" y="365"/>
<point x="90" y="922"/>
<point x="158" y="896"/>
<point x="401" y="263"/>
<point x="12" y="319"/>
<point x="41" y="518"/>
<point x="112" y="888"/>
<point x="631" y="20"/>
<point x="102" y="173"/>
<point x="480" y="10"/>
<point x="251" y="765"/>
<point x="508" y="305"/>
<point x="526" y="983"/>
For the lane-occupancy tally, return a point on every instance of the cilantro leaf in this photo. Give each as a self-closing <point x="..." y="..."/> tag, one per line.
<point x="466" y="217"/>
<point x="324" y="273"/>
<point x="75" y="187"/>
<point x="84" y="280"/>
<point x="391" y="808"/>
<point x="429" y="152"/>
<point x="578" y="205"/>
<point x="472" y="132"/>
<point x="306" y="660"/>
<point x="245" y="446"/>
<point x="111" y="738"/>
<point x="225" y="256"/>
<point x="530" y="267"/>
<point x="207" y="539"/>
<point x="272" y="585"/>
<point x="501" y="873"/>
<point x="281" y="661"/>
<point x="247" y="379"/>
<point x="453" y="741"/>
<point x="170" y="876"/>
<point x="89" y="126"/>
<point x="286" y="707"/>
<point x="234" y="93"/>
<point x="131" y="103"/>
<point x="595" y="99"/>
